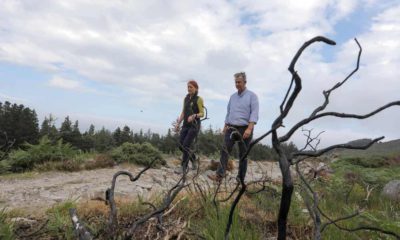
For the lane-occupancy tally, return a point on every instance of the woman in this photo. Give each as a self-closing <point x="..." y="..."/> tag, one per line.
<point x="193" y="110"/>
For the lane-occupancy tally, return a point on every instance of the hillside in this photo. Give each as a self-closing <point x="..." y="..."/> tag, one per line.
<point x="380" y="148"/>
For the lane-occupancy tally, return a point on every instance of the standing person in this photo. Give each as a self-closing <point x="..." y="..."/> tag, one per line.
<point x="193" y="110"/>
<point x="241" y="116"/>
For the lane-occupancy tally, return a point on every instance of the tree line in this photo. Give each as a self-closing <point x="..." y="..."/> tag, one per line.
<point x="21" y="123"/>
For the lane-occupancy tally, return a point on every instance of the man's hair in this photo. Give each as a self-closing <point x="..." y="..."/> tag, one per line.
<point x="241" y="75"/>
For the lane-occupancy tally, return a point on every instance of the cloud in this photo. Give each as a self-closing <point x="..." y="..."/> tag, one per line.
<point x="149" y="49"/>
<point x="65" y="83"/>
<point x="13" y="99"/>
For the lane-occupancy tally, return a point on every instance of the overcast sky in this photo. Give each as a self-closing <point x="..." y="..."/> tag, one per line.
<point x="115" y="63"/>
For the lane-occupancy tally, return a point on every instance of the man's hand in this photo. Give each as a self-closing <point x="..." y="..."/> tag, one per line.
<point x="247" y="133"/>
<point x="224" y="129"/>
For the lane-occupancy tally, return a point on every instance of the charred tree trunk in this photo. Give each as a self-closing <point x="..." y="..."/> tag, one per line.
<point x="287" y="188"/>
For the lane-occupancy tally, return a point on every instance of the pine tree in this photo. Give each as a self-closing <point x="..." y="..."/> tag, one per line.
<point x="49" y="129"/>
<point x="87" y="143"/>
<point x="91" y="130"/>
<point x="103" y="140"/>
<point x="19" y="123"/>
<point x="76" y="136"/>
<point x="126" y="135"/>
<point x="66" y="130"/>
<point x="117" y="136"/>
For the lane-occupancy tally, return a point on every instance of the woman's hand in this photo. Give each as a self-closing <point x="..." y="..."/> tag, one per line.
<point x="191" y="118"/>
<point x="176" y="125"/>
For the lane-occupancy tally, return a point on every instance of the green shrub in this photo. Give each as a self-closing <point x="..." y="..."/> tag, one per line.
<point x="5" y="167"/>
<point x="141" y="154"/>
<point x="368" y="162"/>
<point x="44" y="151"/>
<point x="20" y="160"/>
<point x="376" y="176"/>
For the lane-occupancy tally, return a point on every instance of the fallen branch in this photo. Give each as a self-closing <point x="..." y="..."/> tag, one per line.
<point x="80" y="231"/>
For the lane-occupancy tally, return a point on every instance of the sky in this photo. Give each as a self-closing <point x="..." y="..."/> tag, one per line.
<point x="116" y="63"/>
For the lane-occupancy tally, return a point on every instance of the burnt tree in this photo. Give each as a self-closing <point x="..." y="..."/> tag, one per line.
<point x="287" y="161"/>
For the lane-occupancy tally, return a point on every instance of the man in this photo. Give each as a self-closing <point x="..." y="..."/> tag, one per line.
<point x="241" y="116"/>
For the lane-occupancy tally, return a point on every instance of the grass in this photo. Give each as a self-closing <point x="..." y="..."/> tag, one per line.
<point x="377" y="175"/>
<point x="6" y="227"/>
<point x="351" y="177"/>
<point x="20" y="176"/>
<point x="340" y="194"/>
<point x="213" y="225"/>
<point x="59" y="225"/>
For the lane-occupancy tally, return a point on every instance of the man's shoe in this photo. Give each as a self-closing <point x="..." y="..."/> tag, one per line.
<point x="215" y="178"/>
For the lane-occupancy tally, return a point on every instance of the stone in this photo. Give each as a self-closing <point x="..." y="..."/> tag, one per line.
<point x="392" y="190"/>
<point x="22" y="219"/>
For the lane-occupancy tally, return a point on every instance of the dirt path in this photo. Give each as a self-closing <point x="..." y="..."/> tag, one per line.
<point x="41" y="191"/>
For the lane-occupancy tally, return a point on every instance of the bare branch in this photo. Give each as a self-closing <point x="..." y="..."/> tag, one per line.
<point x="286" y="95"/>
<point x="359" y="228"/>
<point x="311" y="139"/>
<point x="297" y="78"/>
<point x="337" y="220"/>
<point x="346" y="146"/>
<point x="337" y="85"/>
<point x="113" y="221"/>
<point x="169" y="198"/>
<point x="335" y="114"/>
<point x="314" y="212"/>
<point x="80" y="230"/>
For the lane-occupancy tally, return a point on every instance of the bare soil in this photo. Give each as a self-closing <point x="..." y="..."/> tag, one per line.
<point x="39" y="191"/>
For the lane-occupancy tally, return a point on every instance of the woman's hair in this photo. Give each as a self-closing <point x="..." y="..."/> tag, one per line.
<point x="194" y="84"/>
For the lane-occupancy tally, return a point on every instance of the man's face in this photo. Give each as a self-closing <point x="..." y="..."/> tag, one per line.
<point x="240" y="84"/>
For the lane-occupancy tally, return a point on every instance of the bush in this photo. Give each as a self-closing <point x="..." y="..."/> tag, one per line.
<point x="369" y="162"/>
<point x="68" y="166"/>
<point x="20" y="160"/>
<point x="44" y="151"/>
<point x="141" y="154"/>
<point x="100" y="161"/>
<point x="5" y="167"/>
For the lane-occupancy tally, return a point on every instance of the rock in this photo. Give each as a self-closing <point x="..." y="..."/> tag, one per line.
<point x="144" y="185"/>
<point x="213" y="165"/>
<point x="23" y="223"/>
<point x="158" y="179"/>
<point x="97" y="195"/>
<point x="392" y="190"/>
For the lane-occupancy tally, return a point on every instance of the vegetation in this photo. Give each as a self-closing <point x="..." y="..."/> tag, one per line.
<point x="67" y="149"/>
<point x="141" y="154"/>
<point x="6" y="227"/>
<point x="346" y="192"/>
<point x="44" y="151"/>
<point x="341" y="194"/>
<point x="21" y="123"/>
<point x="59" y="225"/>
